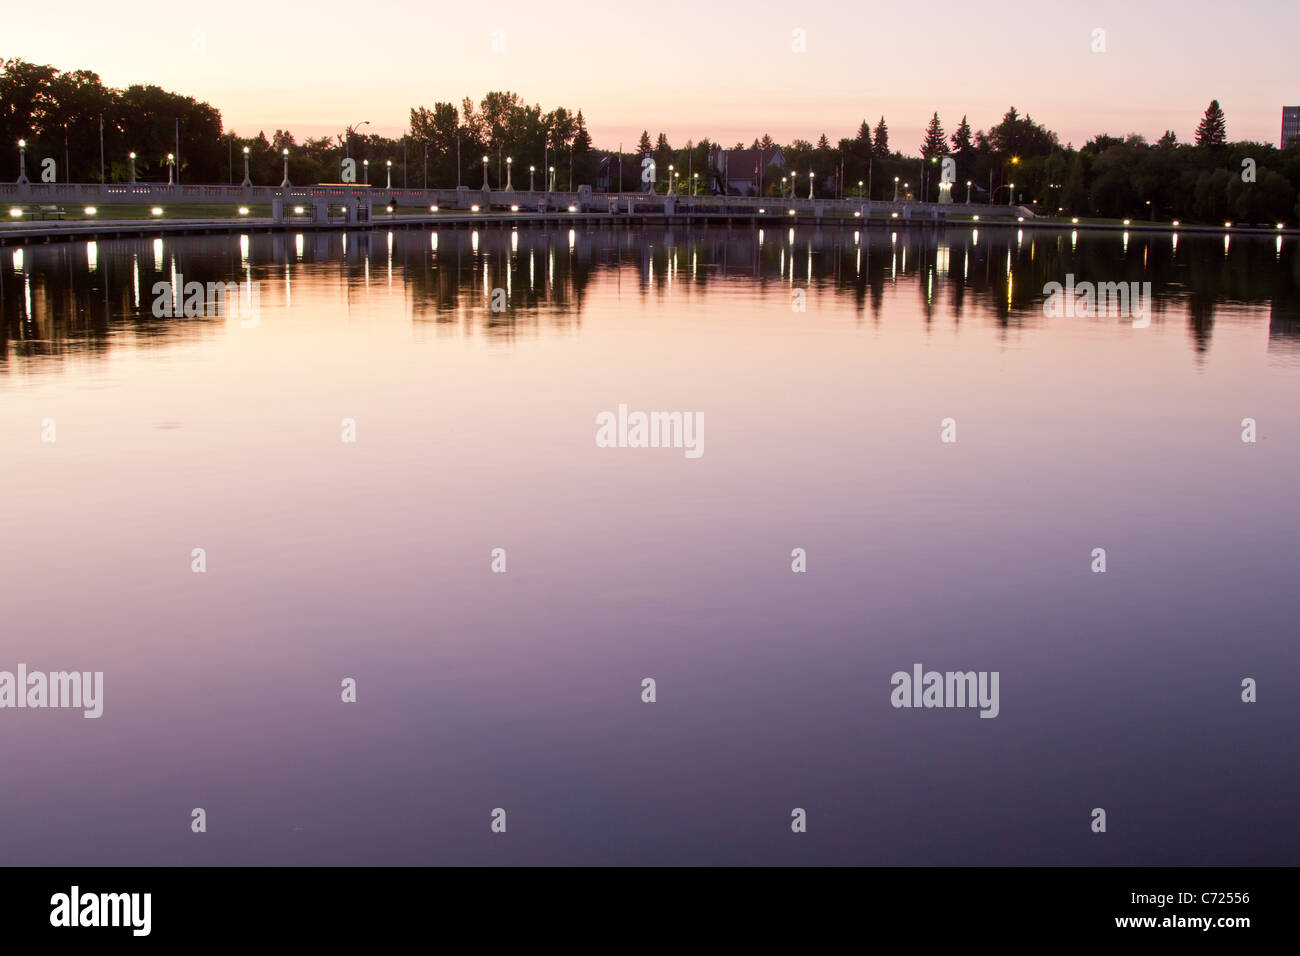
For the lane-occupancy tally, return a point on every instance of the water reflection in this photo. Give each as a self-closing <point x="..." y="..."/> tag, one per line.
<point x="85" y="297"/>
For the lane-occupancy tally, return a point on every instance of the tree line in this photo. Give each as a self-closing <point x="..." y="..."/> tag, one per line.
<point x="70" y="116"/>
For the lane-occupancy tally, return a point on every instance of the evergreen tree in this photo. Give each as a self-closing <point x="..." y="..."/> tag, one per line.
<point x="581" y="138"/>
<point x="961" y="141"/>
<point x="644" y="146"/>
<point x="1212" y="131"/>
<point x="880" y="141"/>
<point x="934" y="143"/>
<point x="863" y="139"/>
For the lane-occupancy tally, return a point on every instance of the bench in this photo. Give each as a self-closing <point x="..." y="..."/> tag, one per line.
<point x="53" y="212"/>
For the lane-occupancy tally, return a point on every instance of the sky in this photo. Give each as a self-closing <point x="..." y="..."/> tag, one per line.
<point x="729" y="71"/>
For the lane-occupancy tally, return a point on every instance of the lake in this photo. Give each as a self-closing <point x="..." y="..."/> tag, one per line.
<point x="378" y="474"/>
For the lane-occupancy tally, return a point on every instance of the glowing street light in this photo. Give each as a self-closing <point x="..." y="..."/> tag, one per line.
<point x="968" y="184"/>
<point x="132" y="167"/>
<point x="509" y="165"/>
<point x="365" y="171"/>
<point x="670" y="179"/>
<point x="171" y="168"/>
<point x="895" y="189"/>
<point x="530" y="177"/>
<point x="485" y="167"/>
<point x="1011" y="193"/>
<point x="550" y="182"/>
<point x="388" y="164"/>
<point x="22" y="161"/>
<point x="247" y="180"/>
<point x="811" y="176"/>
<point x="285" y="151"/>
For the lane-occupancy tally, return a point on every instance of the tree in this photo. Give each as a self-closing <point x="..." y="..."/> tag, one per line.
<point x="863" y="139"/>
<point x="1168" y="140"/>
<point x="961" y="140"/>
<point x="880" y="141"/>
<point x="1212" y="131"/>
<point x="644" y="145"/>
<point x="934" y="143"/>
<point x="1021" y="136"/>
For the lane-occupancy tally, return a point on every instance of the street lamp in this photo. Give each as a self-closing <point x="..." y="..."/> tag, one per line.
<point x="133" y="167"/>
<point x="1011" y="193"/>
<point x="171" y="167"/>
<point x="485" y="165"/>
<point x="670" y="179"/>
<point x="365" y="171"/>
<point x="811" y="175"/>
<point x="783" y="179"/>
<point x="286" y="167"/>
<point x="350" y="131"/>
<point x="550" y="181"/>
<point x="22" y="161"/>
<point x="895" y="189"/>
<point x="860" y="192"/>
<point x="247" y="180"/>
<point x="531" y="168"/>
<point x="388" y="164"/>
<point x="968" y="192"/>
<point x="509" y="165"/>
<point x="695" y="183"/>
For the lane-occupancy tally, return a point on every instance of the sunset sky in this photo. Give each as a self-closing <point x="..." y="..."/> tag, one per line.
<point x="723" y="70"/>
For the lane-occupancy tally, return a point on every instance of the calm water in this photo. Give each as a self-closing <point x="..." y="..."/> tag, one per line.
<point x="475" y="430"/>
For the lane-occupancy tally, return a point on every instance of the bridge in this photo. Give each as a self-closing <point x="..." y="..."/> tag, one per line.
<point x="355" y="204"/>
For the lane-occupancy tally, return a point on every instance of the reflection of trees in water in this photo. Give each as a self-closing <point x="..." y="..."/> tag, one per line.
<point x="54" y="303"/>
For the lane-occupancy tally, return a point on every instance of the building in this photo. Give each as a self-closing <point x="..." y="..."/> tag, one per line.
<point x="744" y="172"/>
<point x="1290" y="124"/>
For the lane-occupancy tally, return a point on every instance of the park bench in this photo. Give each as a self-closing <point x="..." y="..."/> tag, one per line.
<point x="53" y="212"/>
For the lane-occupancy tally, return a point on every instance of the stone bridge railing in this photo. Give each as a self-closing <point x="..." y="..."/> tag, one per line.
<point x="357" y="202"/>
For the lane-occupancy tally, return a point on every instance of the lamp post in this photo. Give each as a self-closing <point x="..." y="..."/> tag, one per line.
<point x="133" y="167"/>
<point x="509" y="165"/>
<point x="286" y="167"/>
<point x="968" y="192"/>
<point x="1011" y="195"/>
<point x="550" y="182"/>
<point x="247" y="179"/>
<point x="171" y="167"/>
<point x="365" y="171"/>
<point x="783" y="179"/>
<point x="695" y="182"/>
<point x="388" y="171"/>
<point x="811" y="176"/>
<point x="531" y="169"/>
<point x="670" y="179"/>
<point x="22" y="161"/>
<point x="485" y="166"/>
<point x="860" y="192"/>
<point x="895" y="189"/>
<point x="350" y="131"/>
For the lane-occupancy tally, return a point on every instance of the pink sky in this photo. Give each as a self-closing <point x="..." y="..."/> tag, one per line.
<point x="734" y="73"/>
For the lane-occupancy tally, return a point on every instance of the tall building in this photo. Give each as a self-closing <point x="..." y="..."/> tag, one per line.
<point x="1290" y="124"/>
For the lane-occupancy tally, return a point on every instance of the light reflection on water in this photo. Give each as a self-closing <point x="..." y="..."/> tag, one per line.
<point x="475" y="431"/>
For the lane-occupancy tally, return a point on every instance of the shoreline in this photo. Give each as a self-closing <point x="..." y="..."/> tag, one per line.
<point x="67" y="230"/>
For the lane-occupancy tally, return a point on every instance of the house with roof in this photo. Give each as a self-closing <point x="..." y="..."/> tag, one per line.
<point x="744" y="172"/>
